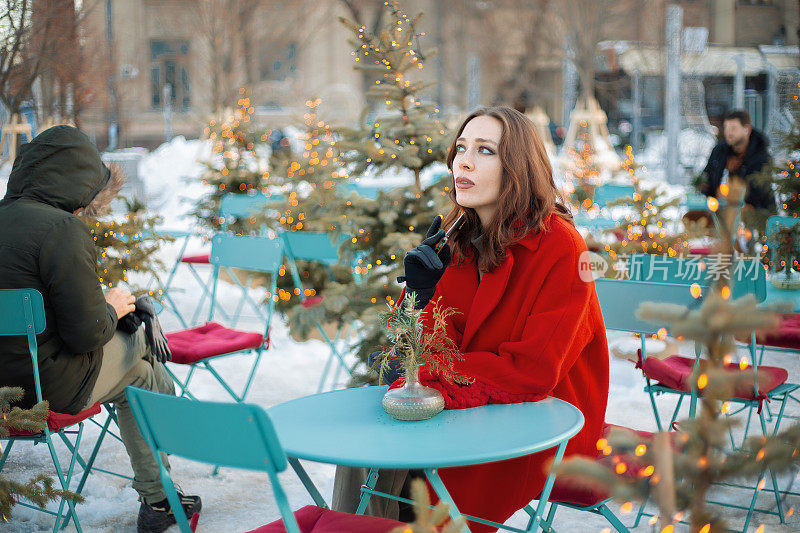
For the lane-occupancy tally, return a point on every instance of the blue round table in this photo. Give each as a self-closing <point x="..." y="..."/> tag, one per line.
<point x="349" y="427"/>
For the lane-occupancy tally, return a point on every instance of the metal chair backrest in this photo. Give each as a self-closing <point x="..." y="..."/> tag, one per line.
<point x="311" y="246"/>
<point x="605" y="194"/>
<point x="749" y="275"/>
<point x="619" y="300"/>
<point x="238" y="435"/>
<point x="315" y="246"/>
<point x="366" y="191"/>
<point x="22" y="313"/>
<point x="247" y="252"/>
<point x="242" y="206"/>
<point x="775" y="223"/>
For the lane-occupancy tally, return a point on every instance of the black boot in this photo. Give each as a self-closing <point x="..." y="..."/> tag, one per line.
<point x="158" y="517"/>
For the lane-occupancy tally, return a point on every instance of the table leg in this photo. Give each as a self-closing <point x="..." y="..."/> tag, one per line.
<point x="533" y="524"/>
<point x="307" y="483"/>
<point x="372" y="479"/>
<point x="436" y="482"/>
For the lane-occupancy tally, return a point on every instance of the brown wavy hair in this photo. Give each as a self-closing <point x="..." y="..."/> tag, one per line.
<point x="528" y="193"/>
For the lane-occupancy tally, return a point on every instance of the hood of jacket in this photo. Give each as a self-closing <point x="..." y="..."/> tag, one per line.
<point x="60" y="167"/>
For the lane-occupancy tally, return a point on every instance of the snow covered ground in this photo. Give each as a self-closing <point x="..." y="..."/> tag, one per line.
<point x="234" y="500"/>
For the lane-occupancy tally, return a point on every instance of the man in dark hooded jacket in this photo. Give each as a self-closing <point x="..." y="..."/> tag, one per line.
<point x="742" y="153"/>
<point x="82" y="357"/>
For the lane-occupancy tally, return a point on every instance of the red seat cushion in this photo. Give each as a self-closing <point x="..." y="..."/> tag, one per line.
<point x="700" y="250"/>
<point x="198" y="258"/>
<point x="58" y="421"/>
<point x="674" y="372"/>
<point x="312" y="518"/>
<point x="580" y="492"/>
<point x="786" y="336"/>
<point x="311" y="301"/>
<point x="191" y="345"/>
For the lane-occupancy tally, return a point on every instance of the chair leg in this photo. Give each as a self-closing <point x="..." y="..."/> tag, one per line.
<point x="307" y="483"/>
<point x="372" y="479"/>
<point x="676" y="411"/>
<point x="253" y="369"/>
<point x="547" y="525"/>
<point x="3" y="458"/>
<point x="324" y="376"/>
<point x="640" y="513"/>
<point x="64" y="481"/>
<point x="183" y="385"/>
<point x="653" y="405"/>
<point x="88" y="468"/>
<point x="778" y="501"/>
<point x="612" y="519"/>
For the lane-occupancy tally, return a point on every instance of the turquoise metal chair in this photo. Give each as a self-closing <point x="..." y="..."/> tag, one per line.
<point x="619" y="300"/>
<point x="234" y="207"/>
<point x="22" y="312"/>
<point x="235" y="435"/>
<point x="749" y="277"/>
<point x="609" y="192"/>
<point x="317" y="247"/>
<point x="695" y="201"/>
<point x="164" y="287"/>
<point x="198" y="347"/>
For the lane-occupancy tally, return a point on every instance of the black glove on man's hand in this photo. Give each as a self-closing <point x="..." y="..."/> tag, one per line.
<point x="129" y="323"/>
<point x="152" y="329"/>
<point x="424" y="267"/>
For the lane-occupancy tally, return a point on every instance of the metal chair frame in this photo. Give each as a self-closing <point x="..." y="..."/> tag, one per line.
<point x="317" y="247"/>
<point x="618" y="301"/>
<point x="236" y="435"/>
<point x="23" y="315"/>
<point x="262" y="254"/>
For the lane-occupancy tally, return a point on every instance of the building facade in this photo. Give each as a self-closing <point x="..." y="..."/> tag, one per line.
<point x="194" y="55"/>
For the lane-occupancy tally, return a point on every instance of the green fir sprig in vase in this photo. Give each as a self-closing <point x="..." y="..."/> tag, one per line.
<point x="412" y="346"/>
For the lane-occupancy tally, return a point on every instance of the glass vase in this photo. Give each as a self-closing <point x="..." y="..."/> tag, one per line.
<point x="413" y="401"/>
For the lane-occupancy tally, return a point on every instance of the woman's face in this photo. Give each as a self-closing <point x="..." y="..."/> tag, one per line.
<point x="477" y="170"/>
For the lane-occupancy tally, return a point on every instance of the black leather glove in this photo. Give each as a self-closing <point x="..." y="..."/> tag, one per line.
<point x="424" y="267"/>
<point x="393" y="373"/>
<point x="156" y="339"/>
<point x="129" y="323"/>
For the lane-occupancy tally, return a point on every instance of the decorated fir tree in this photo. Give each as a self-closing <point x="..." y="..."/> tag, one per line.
<point x="127" y="245"/>
<point x="647" y="229"/>
<point x="404" y="132"/>
<point x="238" y="164"/>
<point x="309" y="177"/>
<point x="678" y="469"/>
<point x="582" y="175"/>
<point x="785" y="170"/>
<point x="40" y="489"/>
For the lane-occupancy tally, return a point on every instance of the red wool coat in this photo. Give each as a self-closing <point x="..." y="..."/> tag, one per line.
<point x="530" y="328"/>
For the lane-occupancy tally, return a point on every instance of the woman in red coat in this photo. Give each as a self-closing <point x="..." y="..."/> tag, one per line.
<point x="528" y="324"/>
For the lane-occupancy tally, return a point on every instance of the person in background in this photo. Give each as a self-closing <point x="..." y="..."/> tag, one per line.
<point x="743" y="153"/>
<point x="92" y="346"/>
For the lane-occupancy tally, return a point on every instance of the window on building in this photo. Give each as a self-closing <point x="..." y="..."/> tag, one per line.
<point x="279" y="64"/>
<point x="169" y="64"/>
